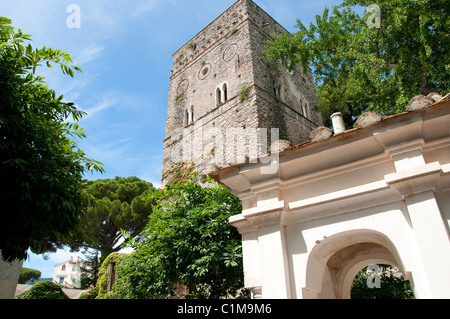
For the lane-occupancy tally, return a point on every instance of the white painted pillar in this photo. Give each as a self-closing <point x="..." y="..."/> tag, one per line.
<point x="9" y="277"/>
<point x="251" y="261"/>
<point x="274" y="263"/>
<point x="432" y="241"/>
<point x="416" y="185"/>
<point x="250" y="253"/>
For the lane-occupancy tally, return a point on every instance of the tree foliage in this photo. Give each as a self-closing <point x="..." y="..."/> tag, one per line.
<point x="116" y="205"/>
<point x="41" y="167"/>
<point x="392" y="286"/>
<point x="122" y="288"/>
<point x="359" y="67"/>
<point x="189" y="241"/>
<point x="44" y="290"/>
<point x="89" y="269"/>
<point x="27" y="274"/>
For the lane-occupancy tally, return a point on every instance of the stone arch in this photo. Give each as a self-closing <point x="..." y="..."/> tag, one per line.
<point x="334" y="262"/>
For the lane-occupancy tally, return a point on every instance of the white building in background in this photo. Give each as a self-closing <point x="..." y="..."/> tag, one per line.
<point x="68" y="273"/>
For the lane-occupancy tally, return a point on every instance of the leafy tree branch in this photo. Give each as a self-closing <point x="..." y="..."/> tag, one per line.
<point x="358" y="68"/>
<point x="41" y="166"/>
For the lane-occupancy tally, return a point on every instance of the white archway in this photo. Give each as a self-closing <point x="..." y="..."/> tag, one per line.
<point x="335" y="261"/>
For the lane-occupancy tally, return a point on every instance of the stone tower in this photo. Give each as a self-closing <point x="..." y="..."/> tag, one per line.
<point x="225" y="97"/>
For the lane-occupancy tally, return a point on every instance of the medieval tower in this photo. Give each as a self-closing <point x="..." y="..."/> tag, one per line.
<point x="222" y="89"/>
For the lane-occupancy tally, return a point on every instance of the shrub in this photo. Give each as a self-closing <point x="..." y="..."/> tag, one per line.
<point x="233" y="31"/>
<point x="243" y="94"/>
<point x="102" y="282"/>
<point x="44" y="290"/>
<point x="121" y="288"/>
<point x="189" y="242"/>
<point x="90" y="294"/>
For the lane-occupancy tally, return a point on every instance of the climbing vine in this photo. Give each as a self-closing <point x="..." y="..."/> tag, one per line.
<point x="180" y="172"/>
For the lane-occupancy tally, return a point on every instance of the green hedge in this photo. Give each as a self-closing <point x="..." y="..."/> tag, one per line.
<point x="122" y="289"/>
<point x="44" y="290"/>
<point x="90" y="294"/>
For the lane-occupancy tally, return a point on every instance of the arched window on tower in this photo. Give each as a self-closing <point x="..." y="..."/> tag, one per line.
<point x="305" y="109"/>
<point x="277" y="90"/>
<point x="189" y="116"/>
<point x="218" y="96"/>
<point x="225" y="92"/>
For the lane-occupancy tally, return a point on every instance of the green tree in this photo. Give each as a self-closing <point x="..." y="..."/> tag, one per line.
<point x="363" y="66"/>
<point x="116" y="205"/>
<point x="188" y="240"/>
<point x="27" y="274"/>
<point x="392" y="286"/>
<point x="89" y="269"/>
<point x="41" y="167"/>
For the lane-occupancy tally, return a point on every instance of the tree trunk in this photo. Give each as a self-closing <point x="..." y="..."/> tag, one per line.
<point x="425" y="89"/>
<point x="9" y="277"/>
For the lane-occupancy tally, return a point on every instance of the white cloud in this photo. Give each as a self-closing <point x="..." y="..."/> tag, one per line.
<point x="90" y="53"/>
<point x="110" y="19"/>
<point x="143" y="7"/>
<point x="114" y="150"/>
<point x="104" y="104"/>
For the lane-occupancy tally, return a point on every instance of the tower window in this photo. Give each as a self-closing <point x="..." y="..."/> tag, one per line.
<point x="221" y="94"/>
<point x="277" y="91"/>
<point x="189" y="116"/>
<point x="305" y="110"/>
<point x="239" y="61"/>
<point x="225" y="92"/>
<point x="218" y="96"/>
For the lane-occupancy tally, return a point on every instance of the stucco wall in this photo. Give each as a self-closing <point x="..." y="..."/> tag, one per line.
<point x="377" y="194"/>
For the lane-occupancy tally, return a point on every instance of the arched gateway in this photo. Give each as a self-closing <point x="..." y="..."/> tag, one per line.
<point x="377" y="194"/>
<point x="334" y="262"/>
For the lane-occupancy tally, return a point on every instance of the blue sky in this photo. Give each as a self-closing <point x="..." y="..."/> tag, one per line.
<point x="125" y="49"/>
